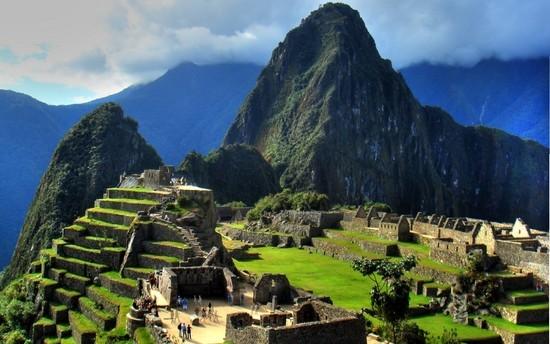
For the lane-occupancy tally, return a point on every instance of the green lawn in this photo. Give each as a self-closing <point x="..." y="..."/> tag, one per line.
<point x="514" y="328"/>
<point x="321" y="274"/>
<point x="435" y="324"/>
<point x="347" y="288"/>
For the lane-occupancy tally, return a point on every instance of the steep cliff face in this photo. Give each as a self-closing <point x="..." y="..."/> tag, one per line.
<point x="91" y="157"/>
<point x="331" y="115"/>
<point x="233" y="172"/>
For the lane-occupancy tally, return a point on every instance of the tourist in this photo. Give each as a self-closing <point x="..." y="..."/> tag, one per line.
<point x="188" y="331"/>
<point x="182" y="330"/>
<point x="241" y="299"/>
<point x="194" y="299"/>
<point x="203" y="313"/>
<point x="200" y="300"/>
<point x="178" y="301"/>
<point x="209" y="306"/>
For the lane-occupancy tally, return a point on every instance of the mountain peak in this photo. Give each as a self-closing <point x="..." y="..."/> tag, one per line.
<point x="332" y="116"/>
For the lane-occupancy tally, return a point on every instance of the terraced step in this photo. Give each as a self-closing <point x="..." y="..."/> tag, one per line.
<point x="118" y="217"/>
<point x="522" y="297"/>
<point x="95" y="242"/>
<point x="82" y="253"/>
<point x="126" y="204"/>
<point x="120" y="285"/>
<point x="83" y="329"/>
<point x="156" y="262"/>
<point x="109" y="300"/>
<point x="79" y="267"/>
<point x="136" y="273"/>
<point x="76" y="282"/>
<point x="56" y="274"/>
<point x="168" y="248"/>
<point x="104" y="229"/>
<point x="48" y="286"/>
<point x="59" y="312"/>
<point x="67" y="297"/>
<point x="103" y="319"/>
<point x="137" y="194"/>
<point x="63" y="330"/>
<point x="524" y="314"/>
<point x="44" y="327"/>
<point x="74" y="231"/>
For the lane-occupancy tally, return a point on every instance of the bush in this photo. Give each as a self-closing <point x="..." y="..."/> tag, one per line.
<point x="378" y="206"/>
<point x="287" y="200"/>
<point x="15" y="337"/>
<point x="19" y="314"/>
<point x="410" y="333"/>
<point x="448" y="337"/>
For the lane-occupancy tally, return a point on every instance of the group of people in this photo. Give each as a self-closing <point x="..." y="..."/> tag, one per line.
<point x="206" y="312"/>
<point x="184" y="330"/>
<point x="182" y="302"/>
<point x="146" y="303"/>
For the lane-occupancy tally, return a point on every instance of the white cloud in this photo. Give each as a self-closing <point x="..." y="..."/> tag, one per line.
<point x="104" y="46"/>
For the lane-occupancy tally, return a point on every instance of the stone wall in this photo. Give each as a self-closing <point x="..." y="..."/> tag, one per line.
<point x="259" y="238"/>
<point x="452" y="253"/>
<point x="512" y="253"/>
<point x="315" y="219"/>
<point x="269" y="285"/>
<point x="334" y="326"/>
<point x="193" y="280"/>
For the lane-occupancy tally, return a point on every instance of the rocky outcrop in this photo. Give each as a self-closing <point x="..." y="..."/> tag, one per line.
<point x="331" y="115"/>
<point x="91" y="157"/>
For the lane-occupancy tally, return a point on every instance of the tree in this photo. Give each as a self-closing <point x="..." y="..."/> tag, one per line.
<point x="390" y="294"/>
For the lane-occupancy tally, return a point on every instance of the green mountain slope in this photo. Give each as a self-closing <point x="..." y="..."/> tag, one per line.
<point x="331" y="115"/>
<point x="90" y="158"/>
<point x="234" y="172"/>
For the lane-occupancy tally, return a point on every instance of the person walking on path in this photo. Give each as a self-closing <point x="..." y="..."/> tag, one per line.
<point x="188" y="331"/>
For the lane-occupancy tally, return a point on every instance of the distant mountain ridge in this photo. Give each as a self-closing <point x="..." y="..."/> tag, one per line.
<point x="509" y="95"/>
<point x="332" y="116"/>
<point x="30" y="129"/>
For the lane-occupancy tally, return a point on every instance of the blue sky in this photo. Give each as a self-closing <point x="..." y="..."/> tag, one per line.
<point x="67" y="51"/>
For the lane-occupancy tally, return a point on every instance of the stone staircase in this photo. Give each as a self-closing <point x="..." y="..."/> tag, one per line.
<point x="88" y="298"/>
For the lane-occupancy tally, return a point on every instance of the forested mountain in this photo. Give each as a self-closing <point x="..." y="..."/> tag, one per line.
<point x="331" y="115"/>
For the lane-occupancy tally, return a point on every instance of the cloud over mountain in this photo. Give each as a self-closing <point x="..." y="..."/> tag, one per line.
<point x="105" y="46"/>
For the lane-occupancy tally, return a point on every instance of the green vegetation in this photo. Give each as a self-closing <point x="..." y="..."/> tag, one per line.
<point x="143" y="336"/>
<point x="136" y="189"/>
<point x="235" y="173"/>
<point x="514" y="328"/>
<point x="436" y="324"/>
<point x="123" y="302"/>
<point x="235" y="204"/>
<point x="16" y="311"/>
<point x="89" y="304"/>
<point x="175" y="244"/>
<point x="115" y="276"/>
<point x="321" y="274"/>
<point x="523" y="293"/>
<point x="96" y="222"/>
<point x="112" y="211"/>
<point x="130" y="201"/>
<point x="531" y="306"/>
<point x="389" y="296"/>
<point x="287" y="200"/>
<point x="378" y="206"/>
<point x="347" y="288"/>
<point x="83" y="324"/>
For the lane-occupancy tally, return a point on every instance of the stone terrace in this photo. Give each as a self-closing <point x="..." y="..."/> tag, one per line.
<point x="87" y="296"/>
